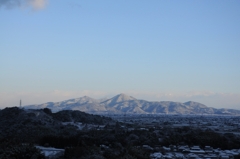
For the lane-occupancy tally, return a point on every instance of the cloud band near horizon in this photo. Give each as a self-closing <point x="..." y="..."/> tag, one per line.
<point x="34" y="4"/>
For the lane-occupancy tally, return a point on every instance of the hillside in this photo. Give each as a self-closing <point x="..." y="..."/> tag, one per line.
<point x="123" y="103"/>
<point x="33" y="124"/>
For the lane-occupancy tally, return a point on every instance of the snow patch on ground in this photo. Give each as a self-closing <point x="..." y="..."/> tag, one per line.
<point x="50" y="151"/>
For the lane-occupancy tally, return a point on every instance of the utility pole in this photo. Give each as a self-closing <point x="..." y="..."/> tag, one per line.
<point x="20" y="104"/>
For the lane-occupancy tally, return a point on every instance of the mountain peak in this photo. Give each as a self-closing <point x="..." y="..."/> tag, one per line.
<point x="86" y="97"/>
<point x="119" y="98"/>
<point x="81" y="100"/>
<point x="122" y="97"/>
<point x="194" y="104"/>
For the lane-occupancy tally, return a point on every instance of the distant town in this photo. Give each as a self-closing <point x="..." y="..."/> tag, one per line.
<point x="158" y="123"/>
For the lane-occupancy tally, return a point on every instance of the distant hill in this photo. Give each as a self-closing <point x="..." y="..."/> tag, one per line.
<point x="123" y="103"/>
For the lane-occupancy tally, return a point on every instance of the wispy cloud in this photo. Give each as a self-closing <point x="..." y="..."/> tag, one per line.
<point x="38" y="4"/>
<point x="75" y="5"/>
<point x="34" y="4"/>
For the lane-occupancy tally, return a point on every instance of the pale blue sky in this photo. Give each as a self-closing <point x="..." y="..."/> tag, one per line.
<point x="154" y="50"/>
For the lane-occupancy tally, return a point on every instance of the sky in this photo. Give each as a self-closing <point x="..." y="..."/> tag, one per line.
<point x="54" y="50"/>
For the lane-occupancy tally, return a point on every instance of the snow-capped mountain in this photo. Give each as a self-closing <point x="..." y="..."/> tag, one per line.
<point x="123" y="103"/>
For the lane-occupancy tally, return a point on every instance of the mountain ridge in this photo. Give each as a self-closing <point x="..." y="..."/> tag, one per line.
<point x="122" y="103"/>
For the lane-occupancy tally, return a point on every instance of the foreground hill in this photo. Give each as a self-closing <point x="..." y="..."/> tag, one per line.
<point x="31" y="124"/>
<point x="21" y="129"/>
<point x="126" y="104"/>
